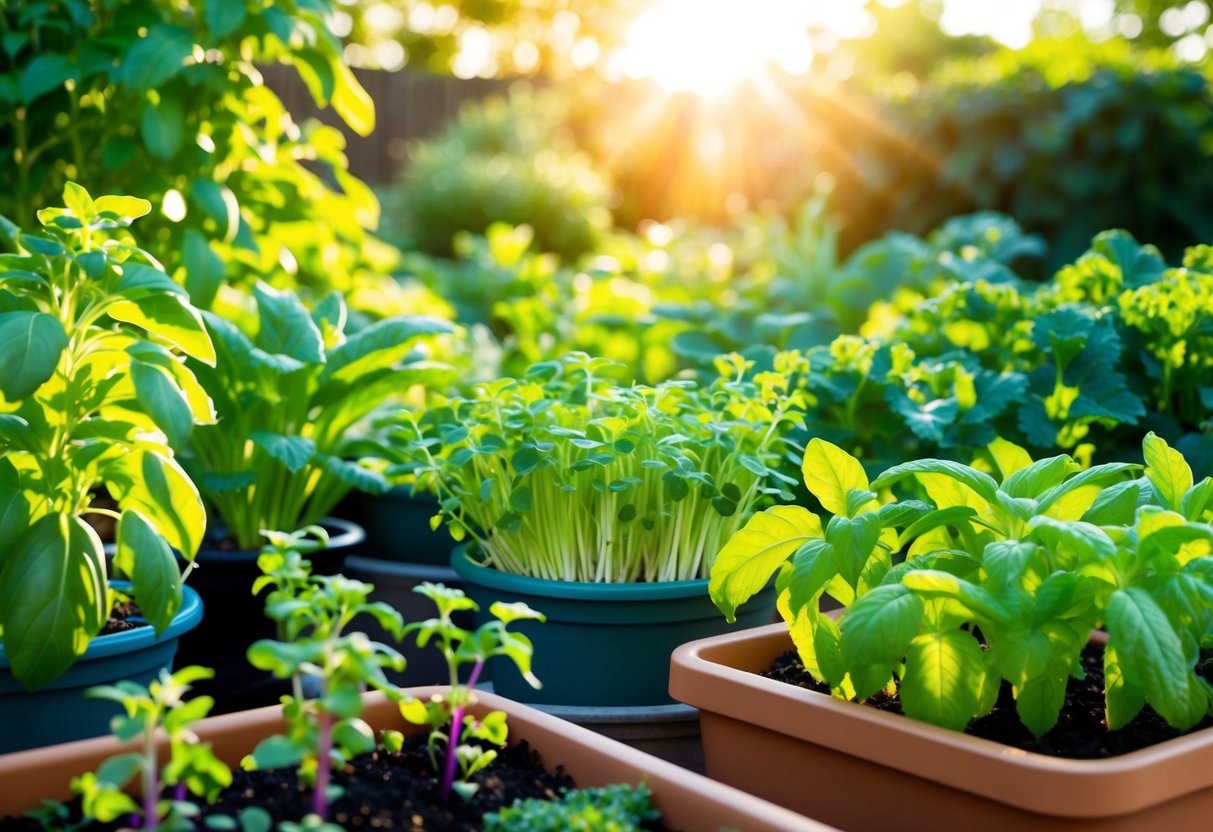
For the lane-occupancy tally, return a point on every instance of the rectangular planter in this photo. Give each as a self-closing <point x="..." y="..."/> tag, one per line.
<point x="688" y="801"/>
<point x="859" y="768"/>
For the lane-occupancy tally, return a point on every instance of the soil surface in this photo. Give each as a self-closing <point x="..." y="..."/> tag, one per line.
<point x="1081" y="731"/>
<point x="121" y="619"/>
<point x="382" y="791"/>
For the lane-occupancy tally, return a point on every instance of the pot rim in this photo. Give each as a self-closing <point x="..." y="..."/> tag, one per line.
<point x="705" y="674"/>
<point x="130" y="641"/>
<point x="471" y="571"/>
<point x="349" y="534"/>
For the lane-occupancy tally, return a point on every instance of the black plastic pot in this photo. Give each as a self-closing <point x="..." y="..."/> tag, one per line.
<point x="397" y="527"/>
<point x="235" y="619"/>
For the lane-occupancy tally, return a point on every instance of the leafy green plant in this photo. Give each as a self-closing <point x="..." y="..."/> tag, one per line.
<point x="618" y="808"/>
<point x="314" y="615"/>
<point x="995" y="578"/>
<point x="167" y="100"/>
<point x="288" y="401"/>
<point x="93" y="393"/>
<point x="446" y="714"/>
<point x="191" y="768"/>
<point x="666" y="473"/>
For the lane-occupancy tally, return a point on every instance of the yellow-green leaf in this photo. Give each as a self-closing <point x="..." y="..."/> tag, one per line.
<point x="829" y="473"/>
<point x="751" y="556"/>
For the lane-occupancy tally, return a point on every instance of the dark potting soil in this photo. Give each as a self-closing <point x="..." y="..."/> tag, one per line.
<point x="382" y="791"/>
<point x="124" y="616"/>
<point x="1081" y="731"/>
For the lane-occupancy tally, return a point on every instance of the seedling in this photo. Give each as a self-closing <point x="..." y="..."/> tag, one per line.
<point x="313" y="614"/>
<point x="191" y="768"/>
<point x="446" y="714"/>
<point x="618" y="808"/>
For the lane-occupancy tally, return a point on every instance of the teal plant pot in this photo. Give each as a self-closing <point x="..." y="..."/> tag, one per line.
<point x="60" y="712"/>
<point x="602" y="644"/>
<point x="397" y="527"/>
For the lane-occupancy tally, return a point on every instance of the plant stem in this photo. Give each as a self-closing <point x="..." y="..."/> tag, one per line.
<point x="320" y="803"/>
<point x="151" y="789"/>
<point x="448" y="772"/>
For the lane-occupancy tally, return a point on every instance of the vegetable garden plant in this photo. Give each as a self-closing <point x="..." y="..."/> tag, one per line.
<point x="96" y="391"/>
<point x="997" y="575"/>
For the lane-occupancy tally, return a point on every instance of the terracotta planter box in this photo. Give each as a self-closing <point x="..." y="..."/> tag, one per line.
<point x="688" y="801"/>
<point x="859" y="768"/>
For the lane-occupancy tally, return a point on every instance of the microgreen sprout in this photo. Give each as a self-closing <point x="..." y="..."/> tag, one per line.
<point x="313" y="614"/>
<point x="191" y="769"/>
<point x="446" y="714"/>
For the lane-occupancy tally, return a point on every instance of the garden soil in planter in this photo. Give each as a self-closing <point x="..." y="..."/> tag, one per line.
<point x="235" y="619"/>
<point x="687" y="801"/>
<point x="860" y="768"/>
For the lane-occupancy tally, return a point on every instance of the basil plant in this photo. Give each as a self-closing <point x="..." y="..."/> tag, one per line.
<point x="95" y="390"/>
<point x="995" y="577"/>
<point x="289" y="401"/>
<point x="567" y="475"/>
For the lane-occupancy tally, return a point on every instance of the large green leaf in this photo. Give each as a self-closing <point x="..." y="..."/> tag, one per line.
<point x="1152" y="657"/>
<point x="380" y="345"/>
<point x="172" y="319"/>
<point x="1167" y="471"/>
<point x="286" y="327"/>
<point x="750" y="557"/>
<point x="351" y="101"/>
<point x="145" y="557"/>
<point x="164" y="401"/>
<point x="155" y="486"/>
<point x="203" y="269"/>
<point x="878" y="628"/>
<point x="45" y="73"/>
<point x="829" y="473"/>
<point x="156" y="58"/>
<point x="163" y="128"/>
<point x="943" y="679"/>
<point x="30" y="346"/>
<point x="1040" y="476"/>
<point x="292" y="451"/>
<point x="224" y="16"/>
<point x="979" y="482"/>
<point x="52" y="597"/>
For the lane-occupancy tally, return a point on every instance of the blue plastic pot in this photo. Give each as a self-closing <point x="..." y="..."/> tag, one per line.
<point x="60" y="712"/>
<point x="602" y="644"/>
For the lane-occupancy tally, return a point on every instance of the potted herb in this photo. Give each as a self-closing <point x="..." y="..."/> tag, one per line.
<point x="972" y="610"/>
<point x="283" y="452"/>
<point x="94" y="391"/>
<point x="603" y="505"/>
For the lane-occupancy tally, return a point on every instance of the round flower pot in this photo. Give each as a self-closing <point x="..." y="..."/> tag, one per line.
<point x="397" y="527"/>
<point x="235" y="619"/>
<point x="394" y="584"/>
<point x="602" y="644"/>
<point x="668" y="732"/>
<point x="60" y="712"/>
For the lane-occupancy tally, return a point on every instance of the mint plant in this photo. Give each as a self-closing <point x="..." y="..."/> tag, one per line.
<point x="992" y="579"/>
<point x="288" y="400"/>
<point x="446" y="714"/>
<point x="191" y="768"/>
<point x="315" y="615"/>
<point x="94" y="393"/>
<point x="668" y="472"/>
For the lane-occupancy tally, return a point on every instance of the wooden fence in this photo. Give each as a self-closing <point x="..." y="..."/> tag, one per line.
<point x="408" y="106"/>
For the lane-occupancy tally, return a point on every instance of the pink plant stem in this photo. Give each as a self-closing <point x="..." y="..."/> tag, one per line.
<point x="448" y="774"/>
<point x="320" y="803"/>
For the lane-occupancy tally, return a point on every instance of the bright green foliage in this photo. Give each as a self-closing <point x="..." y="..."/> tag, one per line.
<point x="166" y="100"/>
<point x="287" y="399"/>
<point x="565" y="475"/>
<point x="191" y="768"/>
<point x="445" y="714"/>
<point x="93" y="386"/>
<point x="313" y="615"/>
<point x="999" y="575"/>
<point x="617" y="808"/>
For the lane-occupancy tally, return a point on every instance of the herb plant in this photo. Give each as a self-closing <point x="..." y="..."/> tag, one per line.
<point x="287" y="401"/>
<point x="992" y="578"/>
<point x="446" y="714"/>
<point x="94" y="393"/>
<point x="314" y="615"/>
<point x="191" y="768"/>
<point x="565" y="475"/>
<point x="617" y="808"/>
